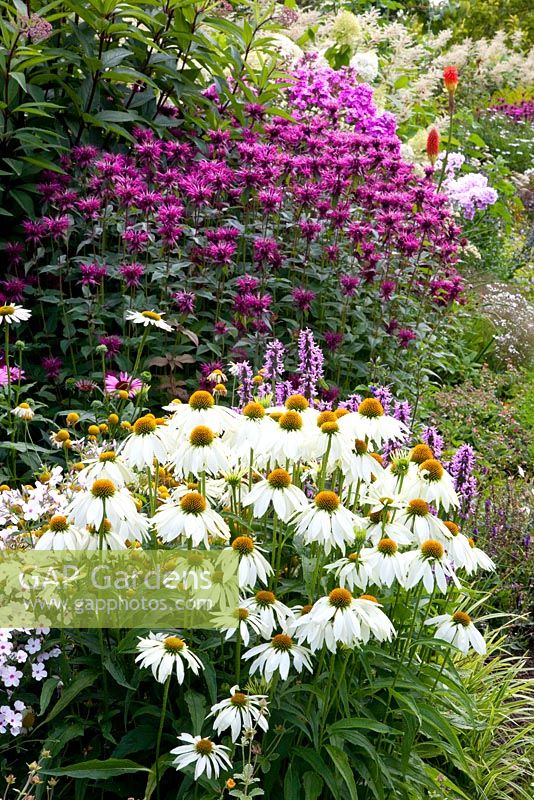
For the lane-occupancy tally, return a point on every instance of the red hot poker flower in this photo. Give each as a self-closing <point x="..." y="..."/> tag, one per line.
<point x="432" y="145"/>
<point x="450" y="79"/>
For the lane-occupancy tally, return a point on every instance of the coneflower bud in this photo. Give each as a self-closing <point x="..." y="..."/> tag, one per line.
<point x="450" y="79"/>
<point x="432" y="145"/>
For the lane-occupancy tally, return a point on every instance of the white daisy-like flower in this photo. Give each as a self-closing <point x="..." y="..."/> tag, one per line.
<point x="278" y="655"/>
<point x="249" y="431"/>
<point x="62" y="535"/>
<point x="146" y="318"/>
<point x="240" y="712"/>
<point x="244" y="619"/>
<point x="479" y="559"/>
<point x="147" y="443"/>
<point x="14" y="314"/>
<point x="200" y="410"/>
<point x="106" y="500"/>
<point x="384" y="563"/>
<point x="165" y="653"/>
<point x="381" y="520"/>
<point x="329" y="622"/>
<point x="326" y="522"/>
<point x="208" y="757"/>
<point x="23" y="411"/>
<point x="416" y="517"/>
<point x="106" y="537"/>
<point x="190" y="520"/>
<point x="433" y="483"/>
<point x="360" y="465"/>
<point x="458" y="629"/>
<point x="350" y="572"/>
<point x="253" y="566"/>
<point x="271" y="611"/>
<point x="276" y="490"/>
<point x="373" y="621"/>
<point x="459" y="548"/>
<point x="299" y="403"/>
<point x="371" y="423"/>
<point x="328" y="442"/>
<point x="429" y="564"/>
<point x="214" y="491"/>
<point x="289" y="440"/>
<point x="106" y="465"/>
<point x="201" y="453"/>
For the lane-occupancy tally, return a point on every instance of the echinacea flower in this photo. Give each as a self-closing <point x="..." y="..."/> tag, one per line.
<point x="350" y="572"/>
<point x="208" y="757"/>
<point x="326" y="522"/>
<point x="62" y="535"/>
<point x="201" y="453"/>
<point x="122" y="382"/>
<point x="190" y="520"/>
<point x="23" y="411"/>
<point x="416" y="517"/>
<point x="329" y="622"/>
<point x="13" y="314"/>
<point x="458" y="629"/>
<point x="147" y="318"/>
<point x="240" y="712"/>
<point x="253" y="566"/>
<point x="106" y="465"/>
<point x="147" y="443"/>
<point x="278" y="655"/>
<point x="200" y="410"/>
<point x="276" y="490"/>
<point x="370" y="423"/>
<point x="165" y="653"/>
<point x="271" y="611"/>
<point x="106" y="500"/>
<point x="433" y="483"/>
<point x="429" y="564"/>
<point x="384" y="563"/>
<point x="245" y="618"/>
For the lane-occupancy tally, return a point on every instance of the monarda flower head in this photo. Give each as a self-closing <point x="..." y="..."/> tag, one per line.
<point x="432" y="145"/>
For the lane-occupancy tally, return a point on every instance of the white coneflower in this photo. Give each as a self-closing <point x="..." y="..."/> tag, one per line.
<point x="360" y="465"/>
<point x="350" y="572"/>
<point x="253" y="566"/>
<point x="14" y="314"/>
<point x="328" y="439"/>
<point x="380" y="517"/>
<point x="326" y="522"/>
<point x="271" y="611"/>
<point x="371" y="423"/>
<point x="147" y="443"/>
<point x="249" y="431"/>
<point x="479" y="559"/>
<point x="433" y="483"/>
<point x="278" y="655"/>
<point x="106" y="537"/>
<point x="62" y="535"/>
<point x="373" y="621"/>
<point x="202" y="453"/>
<point x="289" y="440"/>
<point x="208" y="757"/>
<point x="384" y="563"/>
<point x="429" y="564"/>
<point x="106" y="500"/>
<point x="458" y="547"/>
<point x="106" y="465"/>
<point x="458" y="629"/>
<point x="240" y="712"/>
<point x="23" y="411"/>
<point x="276" y="490"/>
<point x="416" y="517"/>
<point x="146" y="318"/>
<point x="329" y="622"/>
<point x="244" y="619"/>
<point x="165" y="653"/>
<point x="190" y="520"/>
<point x="201" y="409"/>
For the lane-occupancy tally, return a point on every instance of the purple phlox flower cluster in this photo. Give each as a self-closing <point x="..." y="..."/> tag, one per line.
<point x="311" y="360"/>
<point x="282" y="391"/>
<point x="431" y="436"/>
<point x="273" y="364"/>
<point x="523" y="110"/>
<point x="470" y="193"/>
<point x="461" y="468"/>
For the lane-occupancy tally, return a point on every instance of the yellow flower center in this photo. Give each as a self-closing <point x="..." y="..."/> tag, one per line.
<point x="387" y="546"/>
<point x="433" y="469"/>
<point x="239" y="699"/>
<point x="432" y="549"/>
<point x="340" y="598"/>
<point x="341" y="412"/>
<point x="201" y="400"/>
<point x="452" y="527"/>
<point x="461" y="618"/>
<point x="327" y="501"/>
<point x="145" y="425"/>
<point x="108" y="455"/>
<point x="254" y="411"/>
<point x="103" y="489"/>
<point x="282" y="642"/>
<point x="23" y="405"/>
<point x="371" y="407"/>
<point x="193" y="503"/>
<point x="201" y="436"/>
<point x="472" y="542"/>
<point x="173" y="644"/>
<point x="58" y="523"/>
<point x="325" y="416"/>
<point x="329" y="427"/>
<point x="62" y="435"/>
<point x="296" y="402"/>
<point x="242" y="614"/>
<point x="243" y="545"/>
<point x="290" y="421"/>
<point x="378" y="458"/>
<point x="420" y="453"/>
<point x="151" y="315"/>
<point x="360" y="446"/>
<point x="353" y="557"/>
<point x="306" y="609"/>
<point x="195" y="559"/>
<point x="418" y="507"/>
<point x="204" y="747"/>
<point x="6" y="311"/>
<point x="370" y="597"/>
<point x="279" y="479"/>
<point x="264" y="598"/>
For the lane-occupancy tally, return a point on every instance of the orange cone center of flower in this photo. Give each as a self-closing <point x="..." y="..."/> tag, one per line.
<point x="433" y="469"/>
<point x="296" y="402"/>
<point x="330" y="427"/>
<point x="327" y="501"/>
<point x="108" y="455"/>
<point x="151" y="315"/>
<point x="201" y="400"/>
<point x="243" y="545"/>
<point x="325" y="416"/>
<point x="354" y="557"/>
<point x="387" y="546"/>
<point x="239" y="699"/>
<point x="264" y="598"/>
<point x="201" y="436"/>
<point x="371" y="407"/>
<point x="173" y="644"/>
<point x="420" y="453"/>
<point x="432" y="549"/>
<point x="242" y="614"/>
<point x="254" y="411"/>
<point x="193" y="503"/>
<point x="204" y="747"/>
<point x="6" y="311"/>
<point x="341" y="412"/>
<point x="279" y="479"/>
<point x="103" y="488"/>
<point x="360" y="446"/>
<point x="290" y="421"/>
<point x="461" y="618"/>
<point x="145" y="425"/>
<point x="369" y="597"/>
<point x="418" y="507"/>
<point x="340" y="598"/>
<point x="59" y="523"/>
<point x="452" y="527"/>
<point x="282" y="641"/>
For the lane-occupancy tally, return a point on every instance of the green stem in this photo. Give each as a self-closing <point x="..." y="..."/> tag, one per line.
<point x="160" y="730"/>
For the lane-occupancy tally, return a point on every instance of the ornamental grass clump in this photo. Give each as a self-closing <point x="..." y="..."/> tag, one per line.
<point x="356" y="603"/>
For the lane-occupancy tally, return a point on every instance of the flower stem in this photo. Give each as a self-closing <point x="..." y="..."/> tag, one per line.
<point x="160" y="730"/>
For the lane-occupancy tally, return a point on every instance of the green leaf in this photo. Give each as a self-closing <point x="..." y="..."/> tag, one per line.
<point x="342" y="765"/>
<point x="313" y="785"/>
<point x="140" y="738"/>
<point x="85" y="679"/>
<point x="196" y="704"/>
<point x="98" y="770"/>
<point x="320" y="767"/>
<point x="46" y="693"/>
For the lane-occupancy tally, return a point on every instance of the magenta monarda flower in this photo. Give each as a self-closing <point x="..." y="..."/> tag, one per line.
<point x="122" y="383"/>
<point x="52" y="367"/>
<point x="113" y="344"/>
<point x="131" y="274"/>
<point x="93" y="274"/>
